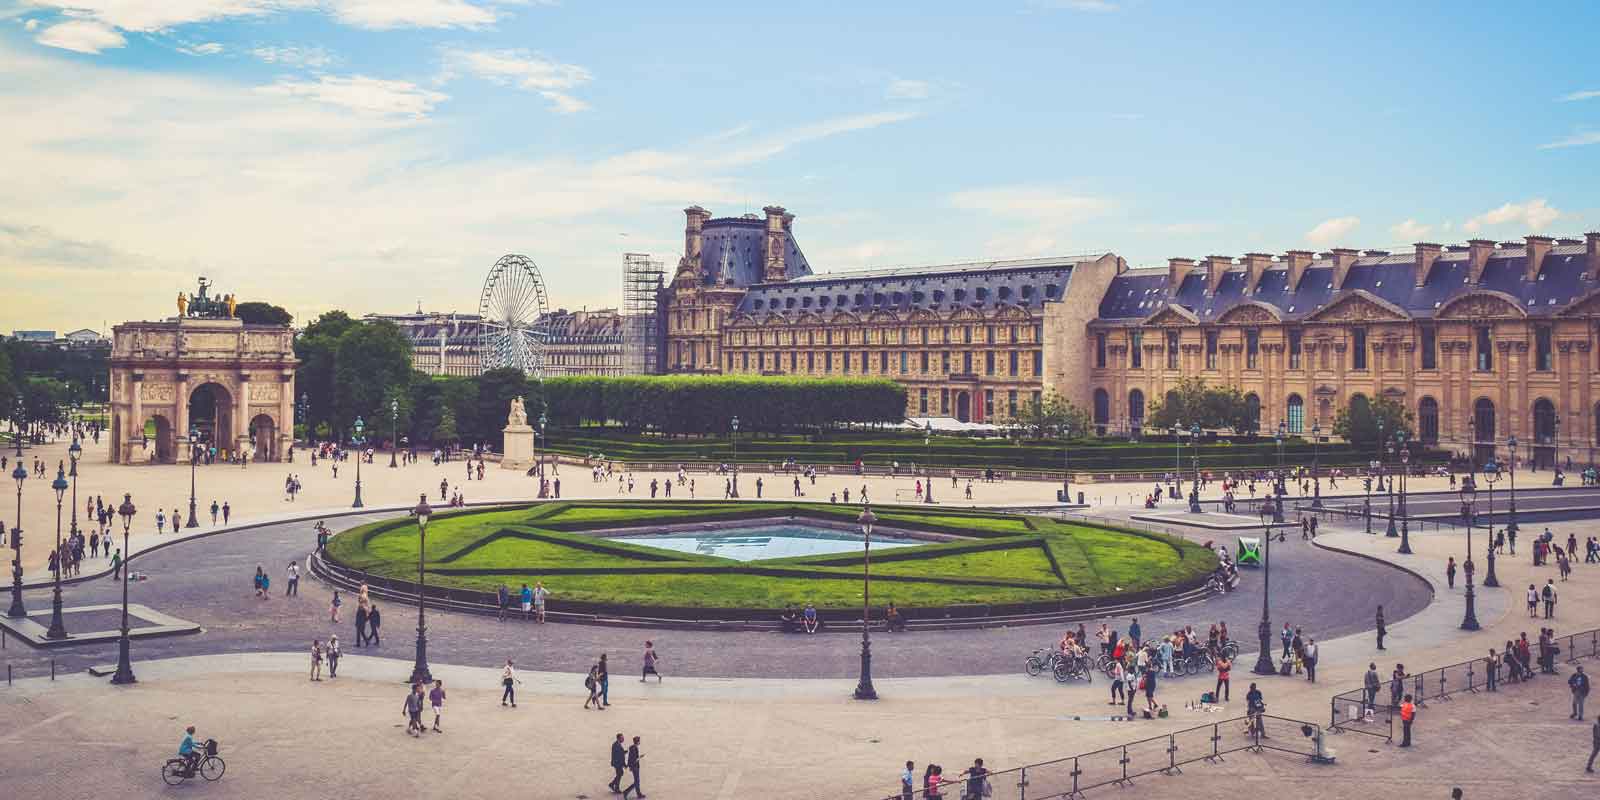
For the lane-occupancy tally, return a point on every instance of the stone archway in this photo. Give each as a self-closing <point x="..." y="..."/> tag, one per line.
<point x="211" y="413"/>
<point x="963" y="407"/>
<point x="160" y="442"/>
<point x="264" y="438"/>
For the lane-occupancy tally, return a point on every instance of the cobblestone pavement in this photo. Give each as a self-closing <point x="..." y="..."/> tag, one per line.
<point x="208" y="581"/>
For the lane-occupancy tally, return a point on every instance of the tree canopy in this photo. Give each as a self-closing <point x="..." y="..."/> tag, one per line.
<point x="1359" y="422"/>
<point x="1193" y="402"/>
<point x="256" y="312"/>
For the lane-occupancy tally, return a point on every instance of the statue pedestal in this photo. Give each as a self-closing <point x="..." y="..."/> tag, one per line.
<point x="518" y="448"/>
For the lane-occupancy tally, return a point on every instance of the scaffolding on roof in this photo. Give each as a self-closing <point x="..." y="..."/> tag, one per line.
<point x="642" y="280"/>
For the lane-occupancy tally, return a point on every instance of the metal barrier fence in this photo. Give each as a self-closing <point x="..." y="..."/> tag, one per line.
<point x="1121" y="765"/>
<point x="1357" y="712"/>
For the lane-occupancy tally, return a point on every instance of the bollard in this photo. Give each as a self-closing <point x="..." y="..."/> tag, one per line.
<point x="52" y="669"/>
<point x="8" y="674"/>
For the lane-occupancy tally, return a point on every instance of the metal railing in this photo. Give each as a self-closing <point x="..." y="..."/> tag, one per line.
<point x="1356" y="711"/>
<point x="1120" y="765"/>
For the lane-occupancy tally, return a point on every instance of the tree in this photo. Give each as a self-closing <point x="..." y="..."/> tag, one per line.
<point x="1054" y="415"/>
<point x="1358" y="423"/>
<point x="496" y="387"/>
<point x="317" y="347"/>
<point x="1192" y="402"/>
<point x="445" y="431"/>
<point x="256" y="312"/>
<point x="372" y="360"/>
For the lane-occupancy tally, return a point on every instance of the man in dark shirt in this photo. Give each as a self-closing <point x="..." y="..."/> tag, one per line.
<point x="633" y="766"/>
<point x="977" y="776"/>
<point x="619" y="759"/>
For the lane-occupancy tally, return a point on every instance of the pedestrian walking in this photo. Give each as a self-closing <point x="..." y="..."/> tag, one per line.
<point x="650" y="660"/>
<point x="292" y="585"/>
<point x="1595" y="751"/>
<point x="634" y="757"/>
<point x="619" y="762"/>
<point x="213" y="513"/>
<point x="316" y="660"/>
<point x="503" y="595"/>
<point x="592" y="683"/>
<point x="1450" y="572"/>
<point x="226" y="510"/>
<point x="1370" y="685"/>
<point x="333" y="615"/>
<point x="1408" y="715"/>
<point x="333" y="656"/>
<point x="539" y="594"/>
<point x="1579" y="684"/>
<point x="1309" y="656"/>
<point x="527" y="602"/>
<point x="1548" y="594"/>
<point x="1533" y="601"/>
<point x="116" y="565"/>
<point x="605" y="682"/>
<point x="413" y="710"/>
<point x="436" y="699"/>
<point x="508" y="679"/>
<point x="1382" y="630"/>
<point x="373" y="619"/>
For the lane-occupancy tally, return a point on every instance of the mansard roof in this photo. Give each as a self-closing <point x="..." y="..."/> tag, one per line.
<point x="744" y="240"/>
<point x="984" y="287"/>
<point x="1389" y="279"/>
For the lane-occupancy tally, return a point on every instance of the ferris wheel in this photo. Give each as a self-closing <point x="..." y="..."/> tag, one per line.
<point x="514" y="311"/>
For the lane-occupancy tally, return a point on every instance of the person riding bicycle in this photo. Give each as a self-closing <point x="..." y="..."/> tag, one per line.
<point x="188" y="752"/>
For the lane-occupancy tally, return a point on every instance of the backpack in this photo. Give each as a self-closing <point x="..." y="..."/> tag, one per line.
<point x="588" y="682"/>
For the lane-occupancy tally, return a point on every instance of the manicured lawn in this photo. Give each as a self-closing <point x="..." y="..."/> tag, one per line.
<point x="1030" y="558"/>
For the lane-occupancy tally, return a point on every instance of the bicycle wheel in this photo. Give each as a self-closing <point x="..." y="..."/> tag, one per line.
<point x="212" y="768"/>
<point x="1033" y="665"/>
<point x="172" y="773"/>
<point x="1062" y="672"/>
<point x="1230" y="650"/>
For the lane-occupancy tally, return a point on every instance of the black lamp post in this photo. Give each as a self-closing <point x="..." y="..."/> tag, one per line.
<point x="1366" y="504"/>
<point x="543" y="441"/>
<point x="1264" y="664"/>
<point x="864" y="689"/>
<point x="1279" y="437"/>
<point x="194" y="454"/>
<point x="1405" y="521"/>
<point x="1066" y="469"/>
<point x="1177" y="458"/>
<point x="734" y="489"/>
<point x="74" y="453"/>
<point x="394" y="431"/>
<point x="58" y="628"/>
<point x="1511" y="513"/>
<point x="419" y="670"/>
<point x="124" y="663"/>
<point x="1392" y="531"/>
<point x="19" y="474"/>
<point x="927" y="446"/>
<point x="1316" y="464"/>
<point x="1468" y="500"/>
<point x="1491" y="475"/>
<point x="359" y="458"/>
<point x="1194" y="489"/>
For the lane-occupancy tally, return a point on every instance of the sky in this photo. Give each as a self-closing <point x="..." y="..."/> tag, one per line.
<point x="369" y="155"/>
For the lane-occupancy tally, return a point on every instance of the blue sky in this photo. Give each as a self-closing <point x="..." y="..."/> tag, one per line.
<point x="363" y="154"/>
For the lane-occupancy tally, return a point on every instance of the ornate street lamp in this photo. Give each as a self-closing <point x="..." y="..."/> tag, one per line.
<point x="1316" y="464"/>
<point x="74" y="453"/>
<point x="124" y="663"/>
<point x="1392" y="531"/>
<point x="419" y="670"/>
<point x="1366" y="503"/>
<point x="1405" y="521"/>
<point x="543" y="442"/>
<point x="864" y="689"/>
<point x="194" y="454"/>
<point x="1491" y="475"/>
<point x="394" y="431"/>
<point x="359" y="458"/>
<point x="1177" y="459"/>
<point x="1468" y="500"/>
<point x="1264" y="664"/>
<point x="1279" y="437"/>
<point x="927" y="446"/>
<point x="19" y="474"/>
<point x="1194" y="445"/>
<point x="1511" y="513"/>
<point x="734" y="492"/>
<point x="1066" y="469"/>
<point x="58" y="628"/>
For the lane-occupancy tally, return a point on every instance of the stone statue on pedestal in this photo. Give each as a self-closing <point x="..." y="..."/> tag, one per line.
<point x="518" y="416"/>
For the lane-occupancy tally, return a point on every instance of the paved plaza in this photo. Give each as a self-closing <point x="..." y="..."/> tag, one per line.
<point x="770" y="713"/>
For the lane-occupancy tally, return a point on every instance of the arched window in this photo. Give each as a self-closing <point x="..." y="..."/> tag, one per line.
<point x="1296" y="416"/>
<point x="1483" y="420"/>
<point x="1428" y="420"/>
<point x="1544" y="421"/>
<point x="1102" y="411"/>
<point x="1136" y="407"/>
<point x="1252" y="409"/>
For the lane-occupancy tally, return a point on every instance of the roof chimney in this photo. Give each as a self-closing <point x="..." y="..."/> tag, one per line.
<point x="777" y="225"/>
<point x="1478" y="257"/>
<point x="1343" y="257"/>
<point x="1591" y="268"/>
<point x="1427" y="253"/>
<point x="1255" y="265"/>
<point x="1216" y="267"/>
<point x="1178" y="270"/>
<point x="1297" y="260"/>
<point x="1538" y="248"/>
<point x="694" y="220"/>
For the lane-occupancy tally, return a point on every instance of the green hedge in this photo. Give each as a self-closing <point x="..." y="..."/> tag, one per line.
<point x="704" y="404"/>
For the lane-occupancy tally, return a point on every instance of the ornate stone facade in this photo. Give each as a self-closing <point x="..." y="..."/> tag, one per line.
<point x="229" y="383"/>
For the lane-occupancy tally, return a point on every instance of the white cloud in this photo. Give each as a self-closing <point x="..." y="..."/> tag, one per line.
<point x="1575" y="140"/>
<point x="81" y="36"/>
<point x="1331" y="231"/>
<point x="768" y="147"/>
<point x="1533" y="215"/>
<point x="207" y="49"/>
<point x="1032" y="203"/>
<point x="155" y="15"/>
<point x="294" y="56"/>
<point x="907" y="89"/>
<point x="1587" y="94"/>
<point x="524" y="70"/>
<point x="386" y="14"/>
<point x="31" y="25"/>
<point x="364" y="95"/>
<point x="1410" y="231"/>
